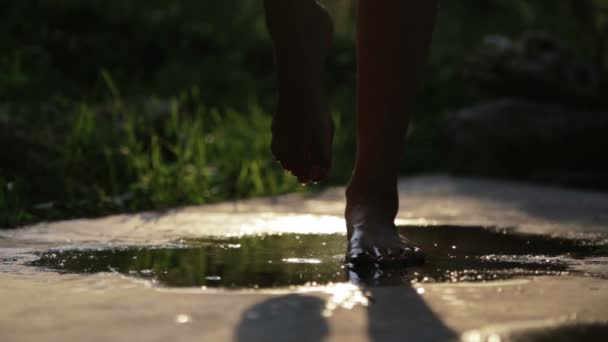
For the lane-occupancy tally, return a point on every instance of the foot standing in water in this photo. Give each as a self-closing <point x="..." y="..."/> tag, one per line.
<point x="393" y="38"/>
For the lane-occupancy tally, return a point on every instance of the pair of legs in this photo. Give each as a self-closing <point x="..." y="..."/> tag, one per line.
<point x="393" y="37"/>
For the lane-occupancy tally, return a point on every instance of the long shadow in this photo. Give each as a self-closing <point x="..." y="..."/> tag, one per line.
<point x="291" y="317"/>
<point x="399" y="314"/>
<point x="396" y="312"/>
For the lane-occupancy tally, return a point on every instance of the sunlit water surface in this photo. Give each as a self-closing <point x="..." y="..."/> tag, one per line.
<point x="454" y="254"/>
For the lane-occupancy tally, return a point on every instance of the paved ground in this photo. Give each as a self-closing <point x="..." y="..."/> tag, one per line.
<point x="49" y="306"/>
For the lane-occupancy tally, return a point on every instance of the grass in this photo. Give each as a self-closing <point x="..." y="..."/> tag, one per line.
<point x="126" y="159"/>
<point x="154" y="154"/>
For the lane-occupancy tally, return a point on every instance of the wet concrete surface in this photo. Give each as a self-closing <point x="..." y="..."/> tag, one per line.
<point x="506" y="262"/>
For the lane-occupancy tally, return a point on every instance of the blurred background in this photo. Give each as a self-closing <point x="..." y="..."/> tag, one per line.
<point x="118" y="106"/>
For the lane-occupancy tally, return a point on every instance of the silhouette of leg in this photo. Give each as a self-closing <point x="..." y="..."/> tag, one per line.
<point x="393" y="40"/>
<point x="302" y="128"/>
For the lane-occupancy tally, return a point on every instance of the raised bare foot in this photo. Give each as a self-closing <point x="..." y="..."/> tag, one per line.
<point x="302" y="128"/>
<point x="373" y="239"/>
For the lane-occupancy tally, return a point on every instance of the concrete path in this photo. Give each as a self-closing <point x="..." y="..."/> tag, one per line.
<point x="38" y="305"/>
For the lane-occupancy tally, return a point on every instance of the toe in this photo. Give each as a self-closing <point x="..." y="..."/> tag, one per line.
<point x="319" y="170"/>
<point x="411" y="255"/>
<point x="299" y="171"/>
<point x="315" y="173"/>
<point x="301" y="166"/>
<point x="386" y="257"/>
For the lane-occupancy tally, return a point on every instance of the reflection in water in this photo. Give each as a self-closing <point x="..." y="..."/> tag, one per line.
<point x="453" y="254"/>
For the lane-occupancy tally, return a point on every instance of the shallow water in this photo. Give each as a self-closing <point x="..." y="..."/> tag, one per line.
<point x="454" y="254"/>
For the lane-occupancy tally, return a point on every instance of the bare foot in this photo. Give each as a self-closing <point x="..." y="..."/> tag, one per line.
<point x="302" y="128"/>
<point x="373" y="239"/>
<point x="381" y="244"/>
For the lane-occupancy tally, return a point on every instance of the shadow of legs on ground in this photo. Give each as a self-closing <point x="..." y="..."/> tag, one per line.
<point x="286" y="318"/>
<point x="397" y="312"/>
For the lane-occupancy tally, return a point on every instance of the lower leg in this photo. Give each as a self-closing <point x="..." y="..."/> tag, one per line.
<point x="393" y="41"/>
<point x="302" y="130"/>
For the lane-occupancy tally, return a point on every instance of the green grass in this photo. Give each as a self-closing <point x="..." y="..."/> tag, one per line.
<point x="154" y="154"/>
<point x="126" y="160"/>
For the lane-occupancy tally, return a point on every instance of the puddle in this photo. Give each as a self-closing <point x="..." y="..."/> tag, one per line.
<point x="454" y="254"/>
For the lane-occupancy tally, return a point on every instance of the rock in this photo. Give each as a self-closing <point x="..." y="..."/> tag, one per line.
<point x="539" y="66"/>
<point x="530" y="139"/>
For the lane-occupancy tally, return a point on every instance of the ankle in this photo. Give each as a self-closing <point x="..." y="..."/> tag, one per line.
<point x="371" y="184"/>
<point x="369" y="203"/>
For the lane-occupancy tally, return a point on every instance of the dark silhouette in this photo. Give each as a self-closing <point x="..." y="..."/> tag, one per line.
<point x="291" y="317"/>
<point x="396" y="312"/>
<point x="393" y="39"/>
